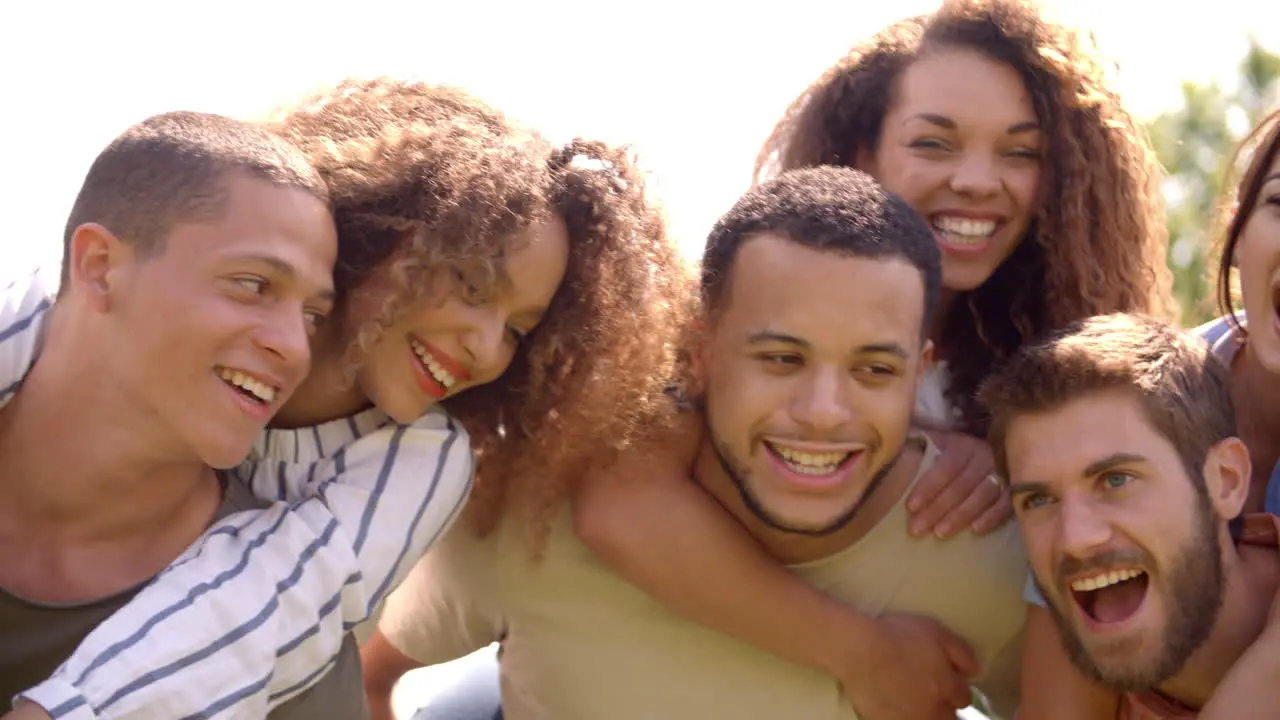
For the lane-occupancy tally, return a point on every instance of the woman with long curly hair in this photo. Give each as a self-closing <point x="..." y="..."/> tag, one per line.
<point x="530" y="290"/>
<point x="1248" y="270"/>
<point x="1002" y="129"/>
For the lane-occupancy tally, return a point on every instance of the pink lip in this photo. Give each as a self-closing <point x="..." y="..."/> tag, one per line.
<point x="447" y="361"/>
<point x="969" y="215"/>
<point x="258" y="411"/>
<point x="814" y="482"/>
<point x="1106" y="629"/>
<point x="426" y="381"/>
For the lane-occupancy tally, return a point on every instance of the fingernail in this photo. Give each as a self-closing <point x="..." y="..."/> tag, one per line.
<point x="913" y="504"/>
<point x="942" y="532"/>
<point x="917" y="529"/>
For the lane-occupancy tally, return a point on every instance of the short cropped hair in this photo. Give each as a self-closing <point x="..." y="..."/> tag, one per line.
<point x="832" y="209"/>
<point x="1182" y="387"/>
<point x="171" y="168"/>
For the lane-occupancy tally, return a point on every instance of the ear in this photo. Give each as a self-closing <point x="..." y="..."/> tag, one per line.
<point x="97" y="260"/>
<point x="700" y="353"/>
<point x="1226" y="475"/>
<point x="926" y="362"/>
<point x="865" y="160"/>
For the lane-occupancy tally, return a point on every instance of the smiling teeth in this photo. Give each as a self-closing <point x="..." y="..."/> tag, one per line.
<point x="965" y="229"/>
<point x="1105" y="580"/>
<point x="260" y="390"/>
<point x="811" y="463"/>
<point x="441" y="375"/>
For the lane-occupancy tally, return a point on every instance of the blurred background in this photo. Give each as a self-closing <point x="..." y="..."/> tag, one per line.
<point x="694" y="87"/>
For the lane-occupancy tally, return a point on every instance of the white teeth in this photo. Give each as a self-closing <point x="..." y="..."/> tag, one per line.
<point x="1098" y="582"/>
<point x="258" y="389"/>
<point x="441" y="375"/>
<point x="811" y="463"/>
<point x="964" y="229"/>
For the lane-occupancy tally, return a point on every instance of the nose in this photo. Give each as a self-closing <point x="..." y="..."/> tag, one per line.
<point x="977" y="175"/>
<point x="1081" y="529"/>
<point x="822" y="403"/>
<point x="286" y="336"/>
<point x="484" y="342"/>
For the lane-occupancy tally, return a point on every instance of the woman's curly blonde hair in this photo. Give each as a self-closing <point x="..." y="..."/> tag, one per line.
<point x="1098" y="244"/>
<point x="438" y="183"/>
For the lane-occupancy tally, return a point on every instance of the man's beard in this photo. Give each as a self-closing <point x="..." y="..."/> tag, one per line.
<point x="1195" y="581"/>
<point x="738" y="476"/>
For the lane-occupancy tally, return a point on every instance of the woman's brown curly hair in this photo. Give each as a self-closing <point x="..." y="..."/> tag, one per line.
<point x="1098" y="244"/>
<point x="425" y="177"/>
<point x="435" y="181"/>
<point x="593" y="377"/>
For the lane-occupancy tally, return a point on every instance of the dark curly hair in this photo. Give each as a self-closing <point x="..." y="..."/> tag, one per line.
<point x="1260" y="147"/>
<point x="1098" y="244"/>
<point x="173" y="168"/>
<point x="436" y="181"/>
<point x="832" y="209"/>
<point x="593" y="377"/>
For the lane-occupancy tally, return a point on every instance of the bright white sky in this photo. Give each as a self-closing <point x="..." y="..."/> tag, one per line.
<point x="694" y="87"/>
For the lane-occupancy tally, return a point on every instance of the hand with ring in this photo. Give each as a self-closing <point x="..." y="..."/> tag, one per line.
<point x="962" y="490"/>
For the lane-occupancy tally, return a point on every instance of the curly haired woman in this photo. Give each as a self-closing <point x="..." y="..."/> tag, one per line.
<point x="530" y="290"/>
<point x="1002" y="129"/>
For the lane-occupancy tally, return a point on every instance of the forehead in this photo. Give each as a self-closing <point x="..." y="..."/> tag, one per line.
<point x="538" y="259"/>
<point x="1058" y="445"/>
<point x="965" y="86"/>
<point x="824" y="297"/>
<point x="259" y="217"/>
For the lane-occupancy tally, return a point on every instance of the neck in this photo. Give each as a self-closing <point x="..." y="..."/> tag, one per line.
<point x="1256" y="395"/>
<point x="946" y="301"/>
<point x="327" y="393"/>
<point x="793" y="548"/>
<point x="1251" y="581"/>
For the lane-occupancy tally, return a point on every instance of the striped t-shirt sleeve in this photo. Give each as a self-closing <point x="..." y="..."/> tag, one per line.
<point x="256" y="612"/>
<point x="24" y="312"/>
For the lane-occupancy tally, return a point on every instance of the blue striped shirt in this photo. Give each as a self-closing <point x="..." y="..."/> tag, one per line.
<point x="255" y="612"/>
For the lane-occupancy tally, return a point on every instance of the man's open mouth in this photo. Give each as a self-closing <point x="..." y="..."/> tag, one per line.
<point x="249" y="387"/>
<point x="1111" y="597"/>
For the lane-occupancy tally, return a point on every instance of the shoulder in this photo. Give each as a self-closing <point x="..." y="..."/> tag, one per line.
<point x="434" y="433"/>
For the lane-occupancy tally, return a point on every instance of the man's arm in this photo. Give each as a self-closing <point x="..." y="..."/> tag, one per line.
<point x="24" y="312"/>
<point x="256" y="611"/>
<point x="1251" y="688"/>
<point x="383" y="665"/>
<point x="1052" y="688"/>
<point x="445" y="610"/>
<point x="662" y="533"/>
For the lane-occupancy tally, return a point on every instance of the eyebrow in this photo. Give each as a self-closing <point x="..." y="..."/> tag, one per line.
<point x="946" y="122"/>
<point x="533" y="314"/>
<point x="1114" y="460"/>
<point x="769" y="336"/>
<point x="1094" y="468"/>
<point x="282" y="267"/>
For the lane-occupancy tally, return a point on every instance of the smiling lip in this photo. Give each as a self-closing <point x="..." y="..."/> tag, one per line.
<point x="949" y="243"/>
<point x="814" y="482"/>
<point x="447" y="361"/>
<point x="1105" y="628"/>
<point x="257" y="409"/>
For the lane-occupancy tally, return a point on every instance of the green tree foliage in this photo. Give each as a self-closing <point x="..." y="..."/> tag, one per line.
<point x="1195" y="144"/>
